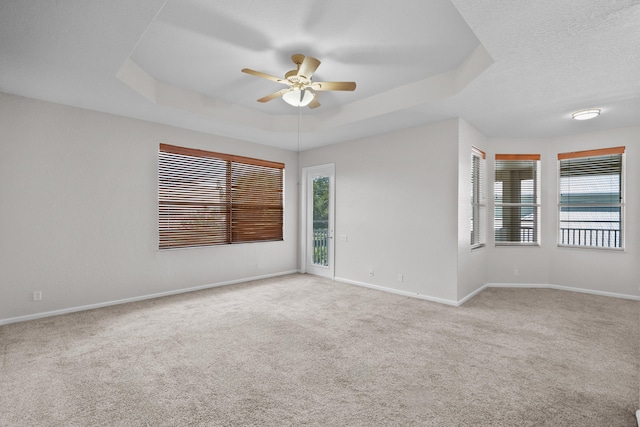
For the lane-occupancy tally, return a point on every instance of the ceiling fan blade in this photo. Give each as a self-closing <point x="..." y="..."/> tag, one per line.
<point x="314" y="103"/>
<point x="273" y="95"/>
<point x="264" y="75"/>
<point x="308" y="67"/>
<point x="333" y="85"/>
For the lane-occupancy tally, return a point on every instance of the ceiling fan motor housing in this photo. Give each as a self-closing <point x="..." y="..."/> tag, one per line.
<point x="299" y="80"/>
<point x="293" y="77"/>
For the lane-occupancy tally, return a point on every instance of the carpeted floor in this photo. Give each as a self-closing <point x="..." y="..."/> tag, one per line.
<point x="301" y="350"/>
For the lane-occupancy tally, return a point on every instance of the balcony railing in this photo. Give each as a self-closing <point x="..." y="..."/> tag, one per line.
<point x="588" y="237"/>
<point x="320" y="242"/>
<point x="527" y="235"/>
<point x="593" y="237"/>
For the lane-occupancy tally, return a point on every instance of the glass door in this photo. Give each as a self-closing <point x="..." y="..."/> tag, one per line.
<point x="319" y="243"/>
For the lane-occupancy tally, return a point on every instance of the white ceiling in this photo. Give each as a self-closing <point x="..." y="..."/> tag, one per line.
<point x="510" y="68"/>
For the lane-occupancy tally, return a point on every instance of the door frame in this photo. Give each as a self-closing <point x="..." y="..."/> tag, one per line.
<point x="307" y="174"/>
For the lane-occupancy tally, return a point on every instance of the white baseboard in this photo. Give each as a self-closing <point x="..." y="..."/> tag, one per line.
<point x="471" y="295"/>
<point x="482" y="288"/>
<point x="338" y="279"/>
<point x="638" y="416"/>
<point x="138" y="298"/>
<point x="563" y="288"/>
<point x="397" y="291"/>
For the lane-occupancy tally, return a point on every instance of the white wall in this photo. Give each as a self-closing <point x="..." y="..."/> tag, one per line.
<point x="472" y="263"/>
<point x="599" y="270"/>
<point x="530" y="261"/>
<point x="396" y="201"/>
<point x="433" y="160"/>
<point x="78" y="203"/>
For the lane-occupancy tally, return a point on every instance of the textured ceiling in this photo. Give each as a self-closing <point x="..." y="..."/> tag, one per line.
<point x="512" y="69"/>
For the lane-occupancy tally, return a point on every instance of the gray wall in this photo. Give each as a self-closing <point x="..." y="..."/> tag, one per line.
<point x="78" y="192"/>
<point x="606" y="271"/>
<point x="78" y="195"/>
<point x="396" y="201"/>
<point x="472" y="263"/>
<point x="417" y="235"/>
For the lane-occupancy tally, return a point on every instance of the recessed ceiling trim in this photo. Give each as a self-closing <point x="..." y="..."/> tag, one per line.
<point x="138" y="79"/>
<point x="424" y="91"/>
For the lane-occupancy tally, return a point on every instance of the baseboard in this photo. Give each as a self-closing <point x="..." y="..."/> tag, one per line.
<point x="397" y="291"/>
<point x="517" y="285"/>
<point x="563" y="288"/>
<point x="138" y="298"/>
<point x="482" y="288"/>
<point x="471" y="295"/>
<point x="338" y="279"/>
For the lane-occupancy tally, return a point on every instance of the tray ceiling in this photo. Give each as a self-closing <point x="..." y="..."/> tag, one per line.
<point x="511" y="70"/>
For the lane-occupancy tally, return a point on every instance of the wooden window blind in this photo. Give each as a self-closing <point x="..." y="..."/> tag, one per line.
<point x="208" y="198"/>
<point x="591" y="198"/>
<point x="517" y="199"/>
<point x="478" y="197"/>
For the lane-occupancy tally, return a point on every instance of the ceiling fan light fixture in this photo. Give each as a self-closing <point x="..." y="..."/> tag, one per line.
<point x="298" y="98"/>
<point x="590" y="113"/>
<point x="301" y="91"/>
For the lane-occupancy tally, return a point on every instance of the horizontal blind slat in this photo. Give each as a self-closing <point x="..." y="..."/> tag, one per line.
<point x="517" y="156"/>
<point x="590" y="198"/>
<point x="517" y="198"/>
<point x="193" y="152"/>
<point x="210" y="198"/>
<point x="591" y="153"/>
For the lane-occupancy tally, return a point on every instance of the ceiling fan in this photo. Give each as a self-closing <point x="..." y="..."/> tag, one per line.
<point x="301" y="90"/>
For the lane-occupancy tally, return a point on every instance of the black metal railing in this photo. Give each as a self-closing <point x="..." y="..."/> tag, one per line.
<point x="594" y="237"/>
<point x="587" y="237"/>
<point x="320" y="242"/>
<point x="320" y="247"/>
<point x="504" y="235"/>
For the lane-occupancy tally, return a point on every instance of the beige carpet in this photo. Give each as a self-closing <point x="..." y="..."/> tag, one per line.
<point x="300" y="350"/>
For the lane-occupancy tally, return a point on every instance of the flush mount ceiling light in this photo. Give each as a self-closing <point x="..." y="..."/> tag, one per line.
<point x="591" y="113"/>
<point x="298" y="98"/>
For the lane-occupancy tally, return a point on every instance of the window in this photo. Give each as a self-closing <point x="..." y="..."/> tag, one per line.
<point x="211" y="198"/>
<point x="478" y="197"/>
<point x="590" y="204"/>
<point x="517" y="199"/>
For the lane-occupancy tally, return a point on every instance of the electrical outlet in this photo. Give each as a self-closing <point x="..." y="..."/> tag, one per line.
<point x="37" y="296"/>
<point x="400" y="277"/>
<point x="371" y="273"/>
<point x="516" y="272"/>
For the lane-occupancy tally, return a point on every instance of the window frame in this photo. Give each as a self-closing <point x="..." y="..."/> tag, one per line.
<point x="478" y="198"/>
<point x="205" y="198"/>
<point x="535" y="204"/>
<point x="595" y="154"/>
